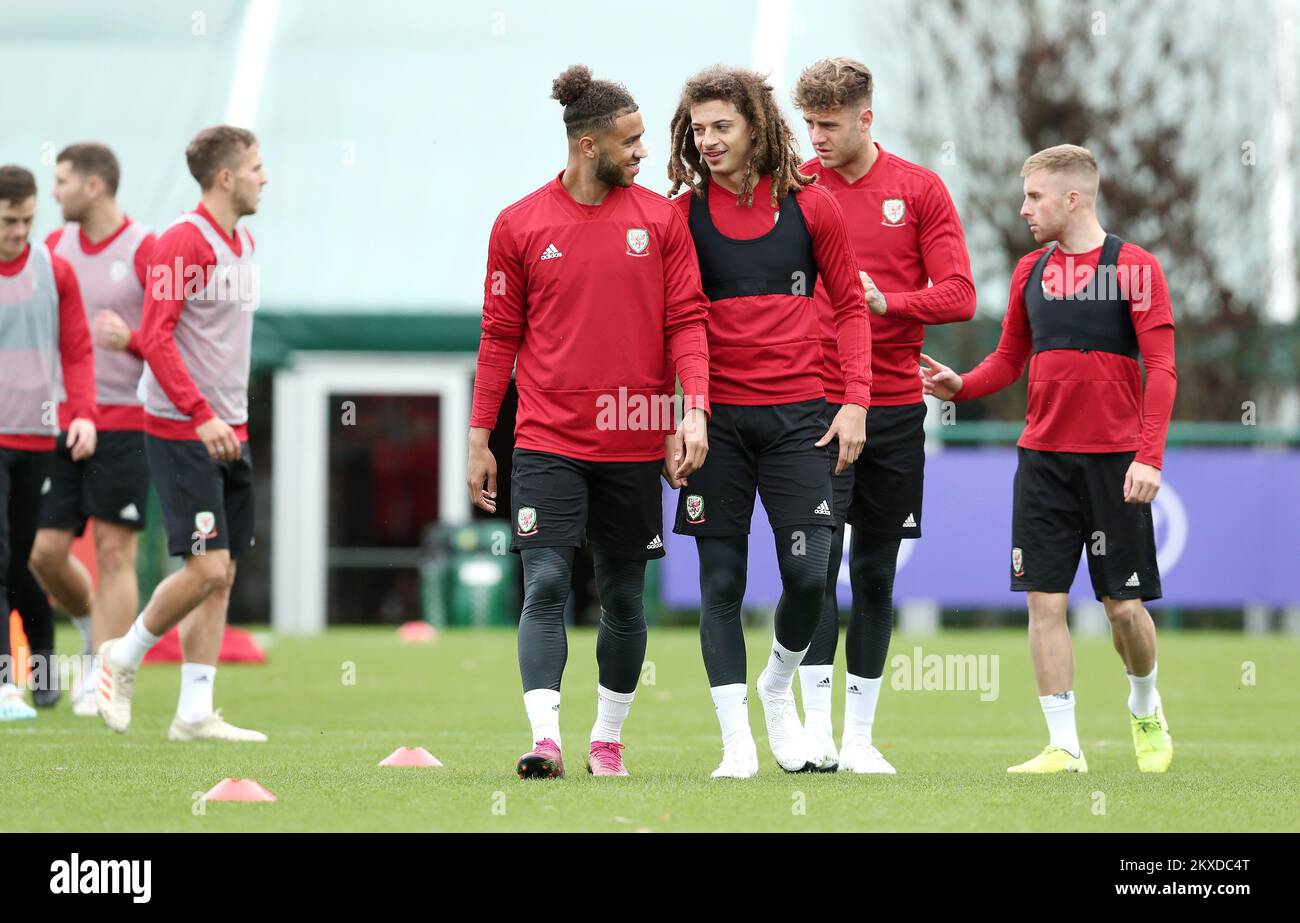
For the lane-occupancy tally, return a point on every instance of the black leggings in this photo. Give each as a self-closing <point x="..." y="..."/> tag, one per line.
<point x="801" y="553"/>
<point x="543" y="644"/>
<point x="872" y="563"/>
<point x="21" y="475"/>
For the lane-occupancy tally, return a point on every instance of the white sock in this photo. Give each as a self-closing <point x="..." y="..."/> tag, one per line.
<point x="1142" y="695"/>
<point x="83" y="625"/>
<point x="132" y="646"/>
<point x="732" y="705"/>
<point x="197" y="680"/>
<point x="543" y="707"/>
<point x="815" y="685"/>
<point x="781" y="667"/>
<point x="1058" y="709"/>
<point x="860" y="698"/>
<point x="611" y="711"/>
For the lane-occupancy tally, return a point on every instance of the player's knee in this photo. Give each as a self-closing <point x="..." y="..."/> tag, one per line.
<point x="212" y="570"/>
<point x="48" y="553"/>
<point x="1122" y="612"/>
<point x="722" y="586"/>
<point x="113" y="556"/>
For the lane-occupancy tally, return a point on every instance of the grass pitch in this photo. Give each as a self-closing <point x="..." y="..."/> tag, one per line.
<point x="1235" y="765"/>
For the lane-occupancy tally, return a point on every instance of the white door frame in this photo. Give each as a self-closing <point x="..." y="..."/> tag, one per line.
<point x="300" y="442"/>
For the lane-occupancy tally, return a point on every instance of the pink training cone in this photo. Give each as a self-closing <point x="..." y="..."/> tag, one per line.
<point x="417" y="632"/>
<point x="410" y="756"/>
<point x="238" y="790"/>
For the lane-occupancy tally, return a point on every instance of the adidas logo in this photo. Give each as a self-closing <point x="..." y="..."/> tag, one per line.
<point x="555" y="707"/>
<point x="777" y="655"/>
<point x="1133" y="580"/>
<point x="551" y="252"/>
<point x="909" y="522"/>
<point x="823" y="509"/>
<point x="853" y="690"/>
<point x="826" y="682"/>
<point x="129" y="512"/>
<point x="656" y="542"/>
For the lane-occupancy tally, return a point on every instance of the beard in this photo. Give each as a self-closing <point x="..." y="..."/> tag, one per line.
<point x="611" y="173"/>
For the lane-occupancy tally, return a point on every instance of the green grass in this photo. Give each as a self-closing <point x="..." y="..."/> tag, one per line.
<point x="1235" y="768"/>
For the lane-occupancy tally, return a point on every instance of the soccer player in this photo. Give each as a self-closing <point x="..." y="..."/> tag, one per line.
<point x="593" y="291"/>
<point x="765" y="237"/>
<point x="197" y="333"/>
<point x="109" y="254"/>
<point x="916" y="271"/>
<point x="43" y="333"/>
<point x="1081" y="312"/>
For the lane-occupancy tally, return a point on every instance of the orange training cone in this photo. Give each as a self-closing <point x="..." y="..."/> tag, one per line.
<point x="410" y="756"/>
<point x="417" y="632"/>
<point x="238" y="790"/>
<point x="18" y="648"/>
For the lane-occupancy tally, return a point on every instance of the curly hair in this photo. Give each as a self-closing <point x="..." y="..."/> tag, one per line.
<point x="775" y="150"/>
<point x="590" y="105"/>
<point x="831" y="83"/>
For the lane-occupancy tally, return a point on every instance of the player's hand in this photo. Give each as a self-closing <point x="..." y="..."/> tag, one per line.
<point x="1141" y="483"/>
<point x="110" y="331"/>
<point x="939" y="380"/>
<point x="674" y="453"/>
<point x="693" y="436"/>
<point x="481" y="477"/>
<point x="850" y="427"/>
<point x="81" y="439"/>
<point x="219" y="439"/>
<point x="875" y="300"/>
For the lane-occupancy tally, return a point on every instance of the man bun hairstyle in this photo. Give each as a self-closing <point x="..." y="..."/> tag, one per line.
<point x="590" y="105"/>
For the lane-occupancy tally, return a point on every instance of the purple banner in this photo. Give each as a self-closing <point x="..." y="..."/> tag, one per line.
<point x="1227" y="533"/>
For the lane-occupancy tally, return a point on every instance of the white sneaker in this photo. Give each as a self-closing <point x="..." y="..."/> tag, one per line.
<point x="737" y="763"/>
<point x="821" y="748"/>
<point x="83" y="688"/>
<point x="213" y="727"/>
<point x="857" y="755"/>
<point x="13" y="707"/>
<point x="116" y="686"/>
<point x="784" y="732"/>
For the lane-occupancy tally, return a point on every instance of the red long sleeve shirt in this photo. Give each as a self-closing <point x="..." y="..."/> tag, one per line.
<point x="76" y="352"/>
<point x="112" y="417"/>
<point x="763" y="349"/>
<point x="1093" y="401"/>
<point x="179" y="248"/>
<point x="599" y="304"/>
<point x="906" y="234"/>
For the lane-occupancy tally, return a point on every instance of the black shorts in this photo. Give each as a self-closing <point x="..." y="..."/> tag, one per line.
<point x="1070" y="502"/>
<point x="555" y="499"/>
<point x="882" y="492"/>
<point x="770" y="449"/>
<point x="206" y="504"/>
<point x="110" y="486"/>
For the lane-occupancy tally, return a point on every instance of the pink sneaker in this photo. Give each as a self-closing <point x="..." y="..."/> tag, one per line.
<point x="541" y="762"/>
<point x="605" y="759"/>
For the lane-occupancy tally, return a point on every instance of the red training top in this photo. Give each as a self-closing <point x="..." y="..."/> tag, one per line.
<point x="763" y="348"/>
<point x="600" y="304"/>
<point x="906" y="234"/>
<point x="1089" y="401"/>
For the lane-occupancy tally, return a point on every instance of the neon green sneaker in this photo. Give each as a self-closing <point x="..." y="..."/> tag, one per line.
<point x="1151" y="740"/>
<point x="1053" y="759"/>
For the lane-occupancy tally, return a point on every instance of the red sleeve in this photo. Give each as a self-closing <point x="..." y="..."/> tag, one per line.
<point x="1153" y="319"/>
<point x="685" y="314"/>
<point x="951" y="295"/>
<point x="837" y="270"/>
<point x="1006" y="363"/>
<point x="75" y="349"/>
<point x="185" y="247"/>
<point x="504" y="307"/>
<point x="142" y="254"/>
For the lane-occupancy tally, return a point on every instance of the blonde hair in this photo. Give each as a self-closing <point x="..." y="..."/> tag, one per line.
<point x="1067" y="158"/>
